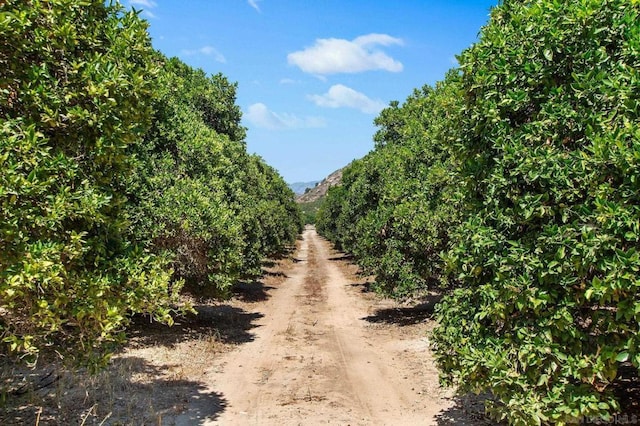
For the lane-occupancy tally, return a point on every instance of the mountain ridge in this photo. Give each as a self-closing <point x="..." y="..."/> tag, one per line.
<point x="320" y="189"/>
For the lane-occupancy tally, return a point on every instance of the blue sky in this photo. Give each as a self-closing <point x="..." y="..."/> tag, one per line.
<point x="313" y="75"/>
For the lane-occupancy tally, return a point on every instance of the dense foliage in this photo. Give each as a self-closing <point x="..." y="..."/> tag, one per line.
<point x="74" y="91"/>
<point x="118" y="167"/>
<point x="540" y="168"/>
<point x="550" y="302"/>
<point x="310" y="210"/>
<point x="197" y="194"/>
<point x="395" y="205"/>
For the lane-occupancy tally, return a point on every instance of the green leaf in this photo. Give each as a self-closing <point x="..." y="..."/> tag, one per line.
<point x="622" y="357"/>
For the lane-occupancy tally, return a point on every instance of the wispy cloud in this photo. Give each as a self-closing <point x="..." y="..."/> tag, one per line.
<point x="206" y="51"/>
<point x="288" y="81"/>
<point x="335" y="55"/>
<point x="254" y="4"/>
<point x="146" y="5"/>
<point x="340" y="96"/>
<point x="259" y="115"/>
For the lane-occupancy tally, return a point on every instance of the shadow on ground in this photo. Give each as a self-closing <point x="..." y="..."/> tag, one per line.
<point x="252" y="291"/>
<point x="345" y="257"/>
<point x="365" y="287"/>
<point x="204" y="407"/>
<point x="227" y="323"/>
<point x="116" y="395"/>
<point x="468" y="410"/>
<point x="406" y="315"/>
<point x="275" y="274"/>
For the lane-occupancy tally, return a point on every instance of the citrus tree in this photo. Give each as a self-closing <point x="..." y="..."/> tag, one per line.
<point x="75" y="84"/>
<point x="548" y="260"/>
<point x="395" y="206"/>
<point x="196" y="195"/>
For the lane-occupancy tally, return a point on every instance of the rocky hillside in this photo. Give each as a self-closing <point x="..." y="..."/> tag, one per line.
<point x="320" y="190"/>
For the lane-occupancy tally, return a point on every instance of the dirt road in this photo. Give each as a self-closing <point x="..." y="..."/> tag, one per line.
<point x="305" y="344"/>
<point x="324" y="352"/>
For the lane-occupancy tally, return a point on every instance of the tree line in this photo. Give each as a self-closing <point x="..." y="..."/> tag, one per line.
<point x="124" y="177"/>
<point x="512" y="188"/>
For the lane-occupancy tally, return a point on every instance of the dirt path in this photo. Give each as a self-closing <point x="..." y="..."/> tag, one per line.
<point x="305" y="344"/>
<point x="320" y="357"/>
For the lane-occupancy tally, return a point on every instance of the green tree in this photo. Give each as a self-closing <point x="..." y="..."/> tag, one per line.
<point x="396" y="205"/>
<point x="196" y="194"/>
<point x="549" y="306"/>
<point x="75" y="79"/>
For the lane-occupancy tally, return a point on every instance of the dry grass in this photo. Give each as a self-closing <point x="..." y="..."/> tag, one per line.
<point x="155" y="375"/>
<point x="140" y="386"/>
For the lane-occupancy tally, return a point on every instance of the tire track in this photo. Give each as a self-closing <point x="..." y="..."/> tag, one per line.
<point x="315" y="360"/>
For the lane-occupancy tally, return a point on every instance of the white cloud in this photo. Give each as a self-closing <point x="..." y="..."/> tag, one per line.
<point x="259" y="115"/>
<point x="254" y="4"/>
<point x="144" y="3"/>
<point x="342" y="96"/>
<point x="334" y="55"/>
<point x="207" y="51"/>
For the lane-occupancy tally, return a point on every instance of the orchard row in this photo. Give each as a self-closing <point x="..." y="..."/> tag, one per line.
<point x="124" y="176"/>
<point x="513" y="188"/>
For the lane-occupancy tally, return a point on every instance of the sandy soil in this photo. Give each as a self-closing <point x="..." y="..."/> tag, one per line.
<point x="306" y="344"/>
<point x="325" y="352"/>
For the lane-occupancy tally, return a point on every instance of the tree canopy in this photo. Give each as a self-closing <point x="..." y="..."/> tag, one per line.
<point x="514" y="184"/>
<point x="123" y="175"/>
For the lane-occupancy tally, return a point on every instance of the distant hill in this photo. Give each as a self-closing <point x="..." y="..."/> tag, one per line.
<point x="320" y="190"/>
<point x="299" y="187"/>
<point x="311" y="200"/>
